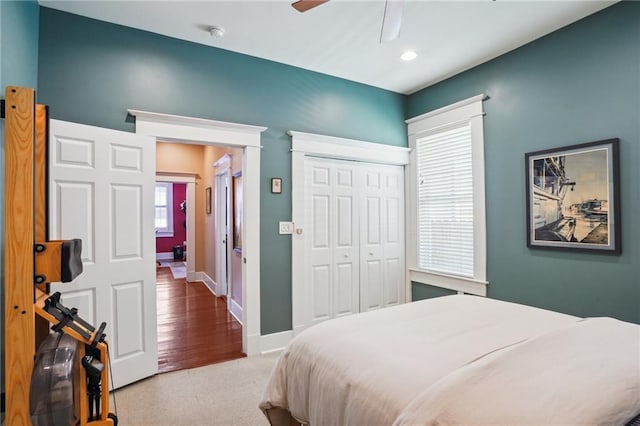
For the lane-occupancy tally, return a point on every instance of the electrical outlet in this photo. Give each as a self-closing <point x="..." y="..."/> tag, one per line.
<point x="286" y="227"/>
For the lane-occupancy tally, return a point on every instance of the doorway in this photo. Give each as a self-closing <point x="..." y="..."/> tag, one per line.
<point x="194" y="326"/>
<point x="223" y="237"/>
<point x="247" y="138"/>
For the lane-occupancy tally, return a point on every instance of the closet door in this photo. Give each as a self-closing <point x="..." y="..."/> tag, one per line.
<point x="381" y="236"/>
<point x="331" y="244"/>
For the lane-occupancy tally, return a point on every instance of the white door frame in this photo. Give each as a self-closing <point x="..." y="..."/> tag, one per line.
<point x="190" y="180"/>
<point x="303" y="144"/>
<point x="189" y="130"/>
<point x="223" y="216"/>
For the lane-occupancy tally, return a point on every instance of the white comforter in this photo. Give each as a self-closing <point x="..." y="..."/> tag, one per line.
<point x="394" y="364"/>
<point x="587" y="373"/>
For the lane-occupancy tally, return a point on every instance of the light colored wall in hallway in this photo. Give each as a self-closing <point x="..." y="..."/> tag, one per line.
<point x="184" y="158"/>
<point x="213" y="154"/>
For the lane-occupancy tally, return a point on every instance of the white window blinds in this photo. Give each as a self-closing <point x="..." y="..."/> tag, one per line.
<point x="445" y="202"/>
<point x="161" y="206"/>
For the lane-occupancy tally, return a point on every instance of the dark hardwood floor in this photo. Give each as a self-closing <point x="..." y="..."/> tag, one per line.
<point x="194" y="326"/>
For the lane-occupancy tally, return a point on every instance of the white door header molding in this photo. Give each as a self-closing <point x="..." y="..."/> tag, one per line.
<point x="176" y="128"/>
<point x="176" y="177"/>
<point x="222" y="162"/>
<point x="348" y="149"/>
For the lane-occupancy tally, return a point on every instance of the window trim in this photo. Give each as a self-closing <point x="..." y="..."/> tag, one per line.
<point x="167" y="232"/>
<point x="466" y="111"/>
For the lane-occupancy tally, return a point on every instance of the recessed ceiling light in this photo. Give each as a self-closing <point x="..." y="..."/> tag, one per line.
<point x="409" y="55"/>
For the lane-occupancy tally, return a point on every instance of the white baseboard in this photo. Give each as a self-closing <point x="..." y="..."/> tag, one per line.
<point x="253" y="345"/>
<point x="210" y="283"/>
<point x="235" y="309"/>
<point x="164" y="256"/>
<point x="298" y="329"/>
<point x="192" y="276"/>
<point x="275" y="341"/>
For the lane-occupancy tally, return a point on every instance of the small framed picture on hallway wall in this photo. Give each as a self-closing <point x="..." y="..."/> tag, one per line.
<point x="276" y="185"/>
<point x="207" y="199"/>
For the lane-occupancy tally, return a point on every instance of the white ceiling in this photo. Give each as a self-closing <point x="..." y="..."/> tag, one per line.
<point x="341" y="38"/>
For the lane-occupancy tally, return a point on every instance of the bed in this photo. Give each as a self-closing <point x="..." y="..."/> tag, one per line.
<point x="458" y="360"/>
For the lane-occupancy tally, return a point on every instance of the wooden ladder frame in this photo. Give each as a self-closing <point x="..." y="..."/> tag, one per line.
<point x="26" y="321"/>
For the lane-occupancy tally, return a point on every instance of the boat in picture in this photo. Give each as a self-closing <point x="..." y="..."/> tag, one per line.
<point x="550" y="185"/>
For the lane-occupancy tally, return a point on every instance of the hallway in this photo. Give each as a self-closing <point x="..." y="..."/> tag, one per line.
<point x="194" y="326"/>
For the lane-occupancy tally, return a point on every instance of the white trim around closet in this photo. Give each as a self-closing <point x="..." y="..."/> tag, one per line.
<point x="308" y="144"/>
<point x="347" y="149"/>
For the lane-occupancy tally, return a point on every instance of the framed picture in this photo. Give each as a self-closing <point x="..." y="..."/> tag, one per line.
<point x="573" y="200"/>
<point x="237" y="212"/>
<point x="276" y="185"/>
<point x="207" y="200"/>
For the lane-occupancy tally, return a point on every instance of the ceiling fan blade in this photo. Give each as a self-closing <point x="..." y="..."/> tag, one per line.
<point x="392" y="20"/>
<point x="304" y="5"/>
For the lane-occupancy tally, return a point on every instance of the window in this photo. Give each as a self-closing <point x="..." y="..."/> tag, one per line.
<point x="448" y="205"/>
<point x="164" y="209"/>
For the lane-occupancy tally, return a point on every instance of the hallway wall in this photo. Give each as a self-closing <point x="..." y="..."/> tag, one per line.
<point x="185" y="158"/>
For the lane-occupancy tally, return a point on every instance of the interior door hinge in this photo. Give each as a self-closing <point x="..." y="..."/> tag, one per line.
<point x="2" y="108"/>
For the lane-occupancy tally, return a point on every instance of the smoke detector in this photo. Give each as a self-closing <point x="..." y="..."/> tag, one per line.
<point x="216" y="32"/>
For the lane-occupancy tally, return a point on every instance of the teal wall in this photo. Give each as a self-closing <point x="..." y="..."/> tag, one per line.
<point x="424" y="291"/>
<point x="91" y="72"/>
<point x="579" y="84"/>
<point x="18" y="67"/>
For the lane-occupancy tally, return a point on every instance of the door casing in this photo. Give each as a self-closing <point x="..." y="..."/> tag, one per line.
<point x="198" y="131"/>
<point x="191" y="217"/>
<point x="223" y="220"/>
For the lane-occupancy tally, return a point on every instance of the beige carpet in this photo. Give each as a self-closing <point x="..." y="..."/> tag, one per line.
<point x="220" y="394"/>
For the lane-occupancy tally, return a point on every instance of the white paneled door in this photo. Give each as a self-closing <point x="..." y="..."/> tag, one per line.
<point x="331" y="248"/>
<point x="354" y="237"/>
<point x="101" y="189"/>
<point x="381" y="236"/>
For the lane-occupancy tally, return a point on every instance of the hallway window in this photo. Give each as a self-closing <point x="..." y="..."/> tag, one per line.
<point x="164" y="209"/>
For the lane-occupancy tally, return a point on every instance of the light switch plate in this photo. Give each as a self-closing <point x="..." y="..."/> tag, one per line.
<point x="286" y="227"/>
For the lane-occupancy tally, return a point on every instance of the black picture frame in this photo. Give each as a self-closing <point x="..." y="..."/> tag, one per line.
<point x="573" y="198"/>
<point x="276" y="185"/>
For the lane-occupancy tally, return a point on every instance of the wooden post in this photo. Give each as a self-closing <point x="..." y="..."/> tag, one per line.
<point x="41" y="205"/>
<point x="18" y="257"/>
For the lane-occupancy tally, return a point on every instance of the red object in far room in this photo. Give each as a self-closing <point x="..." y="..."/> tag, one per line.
<point x="166" y="244"/>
